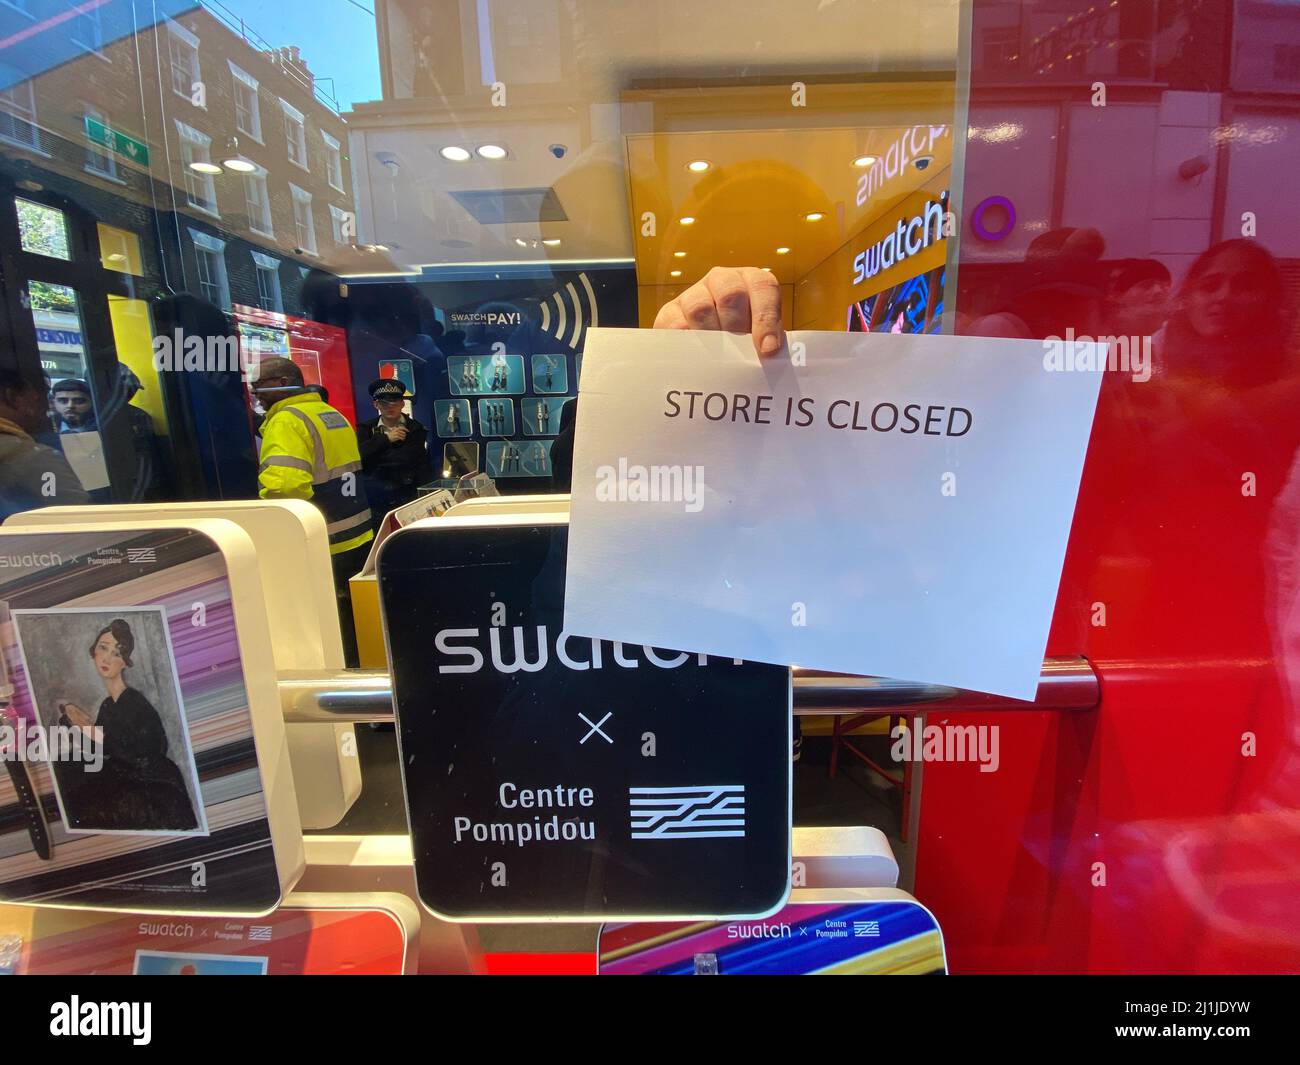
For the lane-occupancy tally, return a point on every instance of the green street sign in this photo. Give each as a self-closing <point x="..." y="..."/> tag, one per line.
<point x="117" y="143"/>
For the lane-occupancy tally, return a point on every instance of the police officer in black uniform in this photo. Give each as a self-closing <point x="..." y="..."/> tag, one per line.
<point x="394" y="453"/>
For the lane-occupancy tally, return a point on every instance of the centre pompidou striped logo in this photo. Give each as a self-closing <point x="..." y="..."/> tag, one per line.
<point x="708" y="811"/>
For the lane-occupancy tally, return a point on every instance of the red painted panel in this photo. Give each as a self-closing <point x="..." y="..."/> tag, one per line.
<point x="1187" y="530"/>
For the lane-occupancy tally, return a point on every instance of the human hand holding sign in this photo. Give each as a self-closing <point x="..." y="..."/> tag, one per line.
<point x="736" y="299"/>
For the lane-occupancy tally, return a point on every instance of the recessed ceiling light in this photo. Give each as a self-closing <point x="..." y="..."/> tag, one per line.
<point x="239" y="164"/>
<point x="864" y="160"/>
<point x="679" y="255"/>
<point x="814" y="216"/>
<point x="783" y="251"/>
<point x="674" y="273"/>
<point x="454" y="153"/>
<point x="552" y="242"/>
<point x="205" y="168"/>
<point x="491" y="151"/>
<point x="688" y="220"/>
<point x="698" y="166"/>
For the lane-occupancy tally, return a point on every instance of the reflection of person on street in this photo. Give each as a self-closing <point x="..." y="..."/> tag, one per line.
<point x="1137" y="297"/>
<point x="72" y="406"/>
<point x="143" y="439"/>
<point x="393" y="450"/>
<point x="31" y="474"/>
<point x="139" y="788"/>
<point x="1228" y="323"/>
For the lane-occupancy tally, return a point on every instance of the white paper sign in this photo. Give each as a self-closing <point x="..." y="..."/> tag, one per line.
<point x="895" y="506"/>
<point x="85" y="454"/>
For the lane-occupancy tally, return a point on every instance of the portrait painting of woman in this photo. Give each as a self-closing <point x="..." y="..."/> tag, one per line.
<point x="141" y="783"/>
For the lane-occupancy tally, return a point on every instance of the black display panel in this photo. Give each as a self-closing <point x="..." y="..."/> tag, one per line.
<point x="556" y="776"/>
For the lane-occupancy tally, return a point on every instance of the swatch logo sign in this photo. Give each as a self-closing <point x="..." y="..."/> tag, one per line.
<point x="909" y="237"/>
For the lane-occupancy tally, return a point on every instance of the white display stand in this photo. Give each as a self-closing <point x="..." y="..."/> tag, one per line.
<point x="203" y="657"/>
<point x="540" y="505"/>
<point x="292" y="554"/>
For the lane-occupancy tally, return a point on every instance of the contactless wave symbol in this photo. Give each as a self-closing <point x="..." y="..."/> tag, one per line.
<point x="709" y="811"/>
<point x="558" y="318"/>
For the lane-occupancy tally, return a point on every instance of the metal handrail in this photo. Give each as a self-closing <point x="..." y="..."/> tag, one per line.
<point x="363" y="695"/>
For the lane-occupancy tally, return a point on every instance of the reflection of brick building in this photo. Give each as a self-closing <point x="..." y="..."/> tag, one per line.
<point x="1203" y="94"/>
<point x="191" y="91"/>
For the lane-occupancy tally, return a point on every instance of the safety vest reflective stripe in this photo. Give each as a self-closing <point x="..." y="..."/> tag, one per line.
<point x="319" y="473"/>
<point x="332" y="464"/>
<point x="286" y="460"/>
<point x="344" y="524"/>
<point x="357" y="541"/>
<point x="339" y="471"/>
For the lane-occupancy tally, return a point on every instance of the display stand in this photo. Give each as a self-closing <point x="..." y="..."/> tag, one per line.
<point x="176" y="794"/>
<point x="311" y="934"/>
<point x="297" y="586"/>
<point x="552" y="778"/>
<point x="829" y="932"/>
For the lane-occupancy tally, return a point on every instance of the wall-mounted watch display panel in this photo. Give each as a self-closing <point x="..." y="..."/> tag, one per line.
<point x="550" y="374"/>
<point x="542" y="416"/>
<point x="553" y="778"/>
<point x="452" y="418"/>
<point x="297" y="586"/>
<point x="400" y="370"/>
<point x="496" y="417"/>
<point x="316" y="934"/>
<point x="832" y="932"/>
<point x="460" y="460"/>
<point x="519" y="458"/>
<point x="486" y="375"/>
<point x="146" y="720"/>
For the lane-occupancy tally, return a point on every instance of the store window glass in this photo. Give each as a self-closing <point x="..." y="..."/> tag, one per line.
<point x="450" y="195"/>
<point x="57" y="315"/>
<point x="18" y="115"/>
<point x="42" y="229"/>
<point x="120" y="250"/>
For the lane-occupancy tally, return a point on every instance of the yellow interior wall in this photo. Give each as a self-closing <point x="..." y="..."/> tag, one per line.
<point x="120" y="242"/>
<point x="822" y="297"/>
<point x="133" y="335"/>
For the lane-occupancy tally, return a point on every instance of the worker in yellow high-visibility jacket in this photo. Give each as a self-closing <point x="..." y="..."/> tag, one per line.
<point x="309" y="451"/>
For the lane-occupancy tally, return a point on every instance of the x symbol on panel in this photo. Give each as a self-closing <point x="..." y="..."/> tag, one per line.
<point x="595" y="728"/>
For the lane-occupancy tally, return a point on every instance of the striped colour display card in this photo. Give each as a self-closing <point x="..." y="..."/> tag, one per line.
<point x="822" y="933"/>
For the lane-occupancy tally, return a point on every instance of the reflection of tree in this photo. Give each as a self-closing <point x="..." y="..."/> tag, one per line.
<point x="48" y="297"/>
<point x="42" y="229"/>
